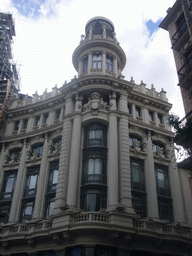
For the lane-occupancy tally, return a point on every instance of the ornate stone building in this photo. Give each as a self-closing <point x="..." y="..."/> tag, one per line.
<point x="89" y="169"/>
<point x="178" y="23"/>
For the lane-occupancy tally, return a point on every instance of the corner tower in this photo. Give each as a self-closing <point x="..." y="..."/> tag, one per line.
<point x="99" y="51"/>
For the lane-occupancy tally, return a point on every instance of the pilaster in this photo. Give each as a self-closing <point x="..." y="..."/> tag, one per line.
<point x="152" y="204"/>
<point x="103" y="62"/>
<point x="89" y="63"/>
<point x="16" y="202"/>
<point x="42" y="180"/>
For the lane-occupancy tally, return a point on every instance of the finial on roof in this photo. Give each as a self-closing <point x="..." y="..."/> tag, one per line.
<point x="132" y="81"/>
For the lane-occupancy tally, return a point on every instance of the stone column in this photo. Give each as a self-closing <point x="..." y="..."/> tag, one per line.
<point x="156" y="118"/>
<point x="112" y="162"/>
<point x="20" y="183"/>
<point x="41" y="121"/>
<point x="178" y="206"/>
<point x="62" y="113"/>
<point x="152" y="204"/>
<point x="115" y="70"/>
<point x="42" y="181"/>
<point x="146" y="115"/>
<point x="61" y="192"/>
<point x="73" y="177"/>
<point x="51" y="117"/>
<point x="30" y="124"/>
<point x="20" y="126"/>
<point x="89" y="63"/>
<point x="124" y="157"/>
<point x="103" y="62"/>
<point x="133" y="111"/>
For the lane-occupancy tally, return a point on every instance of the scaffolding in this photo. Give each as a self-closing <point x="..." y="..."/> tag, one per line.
<point x="9" y="76"/>
<point x="8" y="69"/>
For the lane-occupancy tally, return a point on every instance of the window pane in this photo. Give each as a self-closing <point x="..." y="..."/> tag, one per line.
<point x="32" y="182"/>
<point x="135" y="172"/>
<point x="90" y="166"/>
<point x="98" y="166"/>
<point x="161" y="179"/>
<point x="9" y="185"/>
<point x="55" y="176"/>
<point x="92" y="134"/>
<point x="99" y="134"/>
<point x="98" y="64"/>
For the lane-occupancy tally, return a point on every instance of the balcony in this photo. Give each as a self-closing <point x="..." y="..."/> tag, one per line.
<point x="180" y="38"/>
<point x="185" y="74"/>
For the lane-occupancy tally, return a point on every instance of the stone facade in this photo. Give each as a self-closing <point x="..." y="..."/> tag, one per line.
<point x="89" y="169"/>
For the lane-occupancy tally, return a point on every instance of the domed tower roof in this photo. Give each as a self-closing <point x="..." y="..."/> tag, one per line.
<point x="97" y="24"/>
<point x="99" y="42"/>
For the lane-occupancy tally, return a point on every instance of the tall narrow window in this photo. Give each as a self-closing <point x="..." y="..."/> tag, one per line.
<point x="97" y="60"/>
<point x="129" y="109"/>
<point x="94" y="178"/>
<point x="151" y="116"/>
<point x="37" y="121"/>
<point x="137" y="111"/>
<point x="181" y="24"/>
<point x="138" y="187"/>
<point x="160" y="119"/>
<point x="25" y="122"/>
<point x="85" y="64"/>
<point x="109" y="63"/>
<point x="45" y="118"/>
<point x="16" y="125"/>
<point x="28" y="201"/>
<point x="57" y="114"/>
<point x="8" y="185"/>
<point x="51" y="188"/>
<point x="6" y="197"/>
<point x="163" y="193"/>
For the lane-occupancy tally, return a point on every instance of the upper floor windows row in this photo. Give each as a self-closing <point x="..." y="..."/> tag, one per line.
<point x="137" y="113"/>
<point x="39" y="121"/>
<point x="97" y="62"/>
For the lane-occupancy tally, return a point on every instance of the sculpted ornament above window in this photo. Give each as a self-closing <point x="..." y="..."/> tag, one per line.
<point x="95" y="102"/>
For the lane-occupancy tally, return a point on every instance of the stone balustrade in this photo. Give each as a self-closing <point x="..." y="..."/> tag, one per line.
<point x="91" y="216"/>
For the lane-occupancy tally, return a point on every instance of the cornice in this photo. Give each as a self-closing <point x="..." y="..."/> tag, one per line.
<point x="148" y="100"/>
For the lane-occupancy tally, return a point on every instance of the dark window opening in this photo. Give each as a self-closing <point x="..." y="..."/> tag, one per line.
<point x="38" y="149"/>
<point x="151" y="116"/>
<point x="37" y="121"/>
<point x="160" y="119"/>
<point x="137" y="111"/>
<point x="109" y="63"/>
<point x="25" y="122"/>
<point x="16" y="125"/>
<point x="85" y="64"/>
<point x="31" y="181"/>
<point x="181" y="24"/>
<point x="129" y="108"/>
<point x="8" y="186"/>
<point x="135" y="141"/>
<point x="45" y="118"/>
<point x="158" y="148"/>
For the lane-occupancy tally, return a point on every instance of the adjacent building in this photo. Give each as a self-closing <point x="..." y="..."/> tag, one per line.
<point x="178" y="23"/>
<point x="89" y="169"/>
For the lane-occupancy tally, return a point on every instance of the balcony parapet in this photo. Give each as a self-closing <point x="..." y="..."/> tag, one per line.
<point x="162" y="227"/>
<point x="91" y="217"/>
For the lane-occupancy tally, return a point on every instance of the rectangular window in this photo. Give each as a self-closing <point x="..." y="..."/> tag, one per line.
<point x="137" y="111"/>
<point x="53" y="176"/>
<point x="160" y="119"/>
<point x="27" y="210"/>
<point x="4" y="211"/>
<point x="138" y="187"/>
<point x="8" y="185"/>
<point x="109" y="63"/>
<point x="25" y="122"/>
<point x="163" y="193"/>
<point x="16" y="125"/>
<point x="181" y="24"/>
<point x="37" y="121"/>
<point x="49" y="205"/>
<point x="31" y="181"/>
<point x="45" y="118"/>
<point x="151" y="116"/>
<point x="57" y="114"/>
<point x="37" y="149"/>
<point x="158" y="148"/>
<point x="97" y="60"/>
<point x="129" y="108"/>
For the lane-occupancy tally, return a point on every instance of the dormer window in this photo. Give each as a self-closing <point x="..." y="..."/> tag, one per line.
<point x="97" y="60"/>
<point x="109" y="63"/>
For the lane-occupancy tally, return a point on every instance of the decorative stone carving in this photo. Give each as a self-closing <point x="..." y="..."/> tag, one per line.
<point x="95" y="102"/>
<point x="54" y="150"/>
<point x="33" y="156"/>
<point x="11" y="160"/>
<point x="161" y="153"/>
<point x="137" y="146"/>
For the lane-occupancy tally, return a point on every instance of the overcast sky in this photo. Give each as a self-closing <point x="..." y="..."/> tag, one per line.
<point x="48" y="31"/>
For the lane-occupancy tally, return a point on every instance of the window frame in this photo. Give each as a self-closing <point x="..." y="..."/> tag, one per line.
<point x="99" y="142"/>
<point x="109" y="62"/>
<point x="85" y="64"/>
<point x="31" y="171"/>
<point x="37" y="121"/>
<point x="97" y="63"/>
<point x="4" y="185"/>
<point x="16" y="125"/>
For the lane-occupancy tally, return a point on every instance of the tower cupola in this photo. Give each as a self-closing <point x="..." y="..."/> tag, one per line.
<point x="99" y="52"/>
